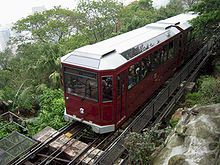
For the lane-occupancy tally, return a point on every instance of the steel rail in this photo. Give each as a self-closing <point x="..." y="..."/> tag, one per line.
<point x="83" y="152"/>
<point x="40" y="146"/>
<point x="74" y="161"/>
<point x="115" y="150"/>
<point x="60" y="150"/>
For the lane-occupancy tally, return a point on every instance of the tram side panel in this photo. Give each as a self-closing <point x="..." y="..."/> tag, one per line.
<point x="107" y="98"/>
<point x="81" y="94"/>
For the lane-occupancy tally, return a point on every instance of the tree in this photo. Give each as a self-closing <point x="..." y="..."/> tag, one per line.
<point x="144" y="4"/>
<point x="208" y="92"/>
<point x="47" y="26"/>
<point x="5" y="57"/>
<point x="174" y="7"/>
<point x="98" y="19"/>
<point x="136" y="14"/>
<point x="207" y="23"/>
<point x="5" y="69"/>
<point x="51" y="114"/>
<point x="188" y="3"/>
<point x="142" y="145"/>
<point x="42" y="41"/>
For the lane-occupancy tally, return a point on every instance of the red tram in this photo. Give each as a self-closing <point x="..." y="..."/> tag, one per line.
<point x="106" y="82"/>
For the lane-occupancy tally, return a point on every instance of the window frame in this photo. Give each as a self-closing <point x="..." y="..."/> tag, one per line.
<point x="106" y="101"/>
<point x="95" y="79"/>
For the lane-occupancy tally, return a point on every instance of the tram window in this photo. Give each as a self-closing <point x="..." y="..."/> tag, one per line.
<point x="80" y="84"/>
<point x="137" y="72"/>
<point x="118" y="86"/>
<point x="171" y="53"/>
<point x="180" y="43"/>
<point x="107" y="88"/>
<point x="131" y="77"/>
<point x="176" y="45"/>
<point x="164" y="54"/>
<point x="145" y="67"/>
<point x="189" y="36"/>
<point x="155" y="60"/>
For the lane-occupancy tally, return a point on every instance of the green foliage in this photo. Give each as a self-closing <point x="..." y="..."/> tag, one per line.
<point x="208" y="92"/>
<point x="142" y="146"/>
<point x="173" y="8"/>
<point x="46" y="36"/>
<point x="25" y="99"/>
<point x="51" y="112"/>
<point x="7" y="93"/>
<point x="47" y="26"/>
<point x="5" y="57"/>
<point x="137" y="14"/>
<point x="189" y="3"/>
<point x="98" y="19"/>
<point x="140" y="13"/>
<point x="207" y="24"/>
<point x="193" y="98"/>
<point x="5" y="78"/>
<point x="217" y="66"/>
<point x="6" y="128"/>
<point x="173" y="122"/>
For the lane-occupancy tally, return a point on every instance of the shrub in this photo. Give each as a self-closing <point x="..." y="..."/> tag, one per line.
<point x="6" y="128"/>
<point x="51" y="111"/>
<point x="142" y="146"/>
<point x="208" y="92"/>
<point x="193" y="98"/>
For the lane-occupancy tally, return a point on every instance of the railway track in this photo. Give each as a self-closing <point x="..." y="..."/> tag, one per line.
<point x="108" y="148"/>
<point x="77" y="132"/>
<point x="75" y="127"/>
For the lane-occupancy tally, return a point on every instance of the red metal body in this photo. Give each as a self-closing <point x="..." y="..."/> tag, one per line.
<point x="125" y="101"/>
<point x="129" y="85"/>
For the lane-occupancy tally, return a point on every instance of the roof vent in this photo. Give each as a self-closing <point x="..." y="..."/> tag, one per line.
<point x="107" y="53"/>
<point x="172" y="25"/>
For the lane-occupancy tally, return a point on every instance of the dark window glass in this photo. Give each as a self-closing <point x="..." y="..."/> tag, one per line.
<point x="80" y="72"/>
<point x="118" y="86"/>
<point x="189" y="36"/>
<point x="137" y="72"/>
<point x="180" y="43"/>
<point x="131" y="77"/>
<point x="81" y="83"/>
<point x="145" y="67"/>
<point x="171" y="53"/>
<point x="164" y="54"/>
<point x="176" y="45"/>
<point x="134" y="51"/>
<point x="155" y="60"/>
<point x="107" y="88"/>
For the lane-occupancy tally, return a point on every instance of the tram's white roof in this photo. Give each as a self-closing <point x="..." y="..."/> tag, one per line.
<point x="111" y="53"/>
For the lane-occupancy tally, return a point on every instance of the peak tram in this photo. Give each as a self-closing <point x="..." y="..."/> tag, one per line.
<point x="106" y="82"/>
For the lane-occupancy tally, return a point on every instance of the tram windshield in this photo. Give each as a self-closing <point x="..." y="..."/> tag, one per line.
<point x="81" y="83"/>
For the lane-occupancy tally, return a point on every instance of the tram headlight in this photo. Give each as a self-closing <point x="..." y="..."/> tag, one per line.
<point x="82" y="111"/>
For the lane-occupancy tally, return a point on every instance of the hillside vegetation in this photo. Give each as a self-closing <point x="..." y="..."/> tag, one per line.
<point x="30" y="77"/>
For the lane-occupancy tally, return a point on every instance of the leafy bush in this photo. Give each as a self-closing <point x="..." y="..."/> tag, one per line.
<point x="208" y="92"/>
<point x="217" y="66"/>
<point x="25" y="99"/>
<point x="142" y="146"/>
<point x="51" y="111"/>
<point x="6" y="128"/>
<point x="193" y="98"/>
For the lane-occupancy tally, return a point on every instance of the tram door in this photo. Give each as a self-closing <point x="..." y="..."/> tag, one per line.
<point x="121" y="96"/>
